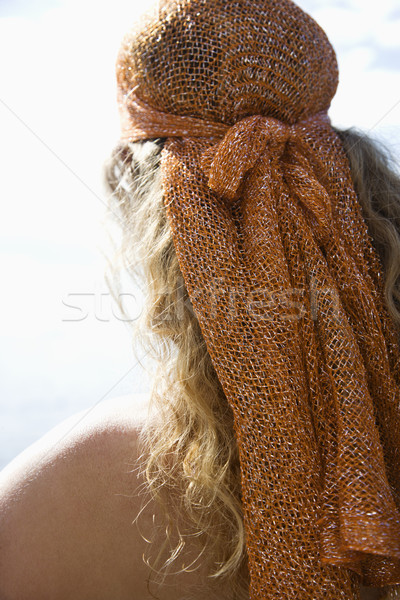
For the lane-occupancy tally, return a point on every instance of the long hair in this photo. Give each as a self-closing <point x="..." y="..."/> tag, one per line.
<point x="190" y="453"/>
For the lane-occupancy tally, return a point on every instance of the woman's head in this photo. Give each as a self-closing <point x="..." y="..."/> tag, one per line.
<point x="246" y="378"/>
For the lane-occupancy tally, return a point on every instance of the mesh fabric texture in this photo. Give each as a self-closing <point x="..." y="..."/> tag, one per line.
<point x="284" y="279"/>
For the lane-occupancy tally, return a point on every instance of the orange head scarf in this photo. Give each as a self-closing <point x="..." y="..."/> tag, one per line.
<point x="284" y="280"/>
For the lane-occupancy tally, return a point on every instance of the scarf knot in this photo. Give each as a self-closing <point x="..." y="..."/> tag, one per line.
<point x="229" y="162"/>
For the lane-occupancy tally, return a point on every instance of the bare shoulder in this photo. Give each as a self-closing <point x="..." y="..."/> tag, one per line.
<point x="67" y="506"/>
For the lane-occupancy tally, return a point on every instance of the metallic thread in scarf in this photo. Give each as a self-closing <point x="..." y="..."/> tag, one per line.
<point x="284" y="279"/>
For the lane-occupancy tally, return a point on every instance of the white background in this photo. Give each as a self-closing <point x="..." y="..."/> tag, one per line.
<point x="58" y="122"/>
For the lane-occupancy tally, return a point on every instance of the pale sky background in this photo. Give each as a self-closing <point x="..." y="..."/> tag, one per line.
<point x="58" y="122"/>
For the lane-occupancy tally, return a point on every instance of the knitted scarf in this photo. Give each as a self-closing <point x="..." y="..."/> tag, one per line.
<point x="284" y="280"/>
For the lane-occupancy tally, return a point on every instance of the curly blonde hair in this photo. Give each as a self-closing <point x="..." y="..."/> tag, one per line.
<point x="191" y="456"/>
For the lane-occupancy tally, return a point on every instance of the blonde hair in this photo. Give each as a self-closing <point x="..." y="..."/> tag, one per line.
<point x="192" y="466"/>
<point x="377" y="183"/>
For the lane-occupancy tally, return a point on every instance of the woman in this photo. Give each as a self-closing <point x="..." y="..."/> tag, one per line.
<point x="262" y="397"/>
